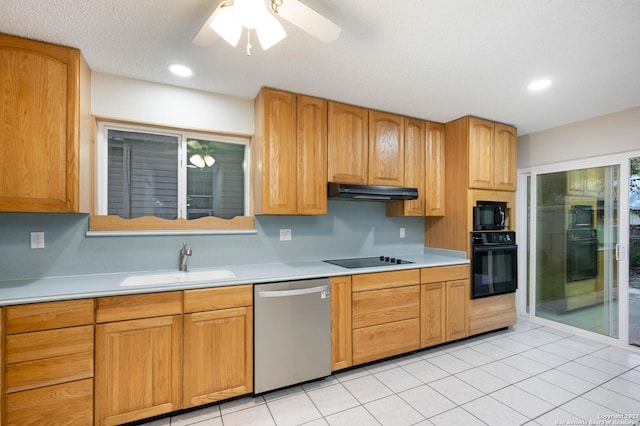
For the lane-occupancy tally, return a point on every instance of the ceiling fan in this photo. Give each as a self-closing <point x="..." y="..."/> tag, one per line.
<point x="231" y="17"/>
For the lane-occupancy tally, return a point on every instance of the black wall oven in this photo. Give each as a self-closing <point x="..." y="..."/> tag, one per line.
<point x="493" y="263"/>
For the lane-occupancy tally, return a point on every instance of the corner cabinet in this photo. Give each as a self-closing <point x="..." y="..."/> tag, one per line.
<point x="290" y="154"/>
<point x="45" y="98"/>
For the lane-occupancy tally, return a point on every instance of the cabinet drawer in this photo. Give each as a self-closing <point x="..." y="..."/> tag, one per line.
<point x="381" y="341"/>
<point x="48" y="371"/>
<point x="49" y="343"/>
<point x="444" y="273"/>
<point x="382" y="306"/>
<point x="67" y="404"/>
<point x="381" y="280"/>
<point x="48" y="315"/>
<point x="210" y="299"/>
<point x="120" y="308"/>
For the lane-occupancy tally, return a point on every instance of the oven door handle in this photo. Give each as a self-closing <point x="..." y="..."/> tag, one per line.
<point x="489" y="247"/>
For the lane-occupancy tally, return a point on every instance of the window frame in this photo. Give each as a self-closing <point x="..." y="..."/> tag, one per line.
<point x="101" y="222"/>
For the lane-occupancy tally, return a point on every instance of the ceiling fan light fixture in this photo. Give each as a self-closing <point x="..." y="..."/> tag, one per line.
<point x="225" y="24"/>
<point x="270" y="32"/>
<point x="209" y="160"/>
<point x="249" y="13"/>
<point x="197" y="160"/>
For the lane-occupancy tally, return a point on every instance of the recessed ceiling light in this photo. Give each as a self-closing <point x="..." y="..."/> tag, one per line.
<point x="180" y="70"/>
<point x="543" y="83"/>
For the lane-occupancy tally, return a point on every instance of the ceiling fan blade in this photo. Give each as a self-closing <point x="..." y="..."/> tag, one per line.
<point x="309" y="20"/>
<point x="205" y="35"/>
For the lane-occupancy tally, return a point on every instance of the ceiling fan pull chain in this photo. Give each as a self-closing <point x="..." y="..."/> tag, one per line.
<point x="249" y="42"/>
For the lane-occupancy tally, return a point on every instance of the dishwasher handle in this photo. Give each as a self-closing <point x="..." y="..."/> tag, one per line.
<point x="323" y="289"/>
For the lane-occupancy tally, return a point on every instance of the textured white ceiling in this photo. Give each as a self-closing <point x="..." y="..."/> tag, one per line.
<point x="433" y="59"/>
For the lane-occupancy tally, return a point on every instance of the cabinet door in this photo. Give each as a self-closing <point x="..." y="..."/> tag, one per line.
<point x="348" y="144"/>
<point x="138" y="369"/>
<point x="340" y="322"/>
<point x="39" y="115"/>
<point x="386" y="149"/>
<point x="481" y="154"/>
<point x="218" y="355"/>
<point x="275" y="153"/>
<point x="434" y="169"/>
<point x="457" y="295"/>
<point x="312" y="155"/>
<point x="414" y="170"/>
<point x="506" y="142"/>
<point x="432" y="323"/>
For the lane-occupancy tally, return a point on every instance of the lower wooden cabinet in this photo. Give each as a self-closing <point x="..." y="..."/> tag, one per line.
<point x="138" y="369"/>
<point x="444" y="296"/>
<point x="492" y="313"/>
<point x="47" y="363"/>
<point x="218" y="344"/>
<point x="341" y="347"/>
<point x="385" y="314"/>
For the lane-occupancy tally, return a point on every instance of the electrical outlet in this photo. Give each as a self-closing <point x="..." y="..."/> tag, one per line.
<point x="401" y="232"/>
<point x="285" y="235"/>
<point x="37" y="240"/>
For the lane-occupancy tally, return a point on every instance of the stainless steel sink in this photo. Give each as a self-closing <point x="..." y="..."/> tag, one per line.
<point x="178" y="277"/>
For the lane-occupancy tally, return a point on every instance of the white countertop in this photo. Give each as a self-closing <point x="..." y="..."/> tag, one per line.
<point x="109" y="284"/>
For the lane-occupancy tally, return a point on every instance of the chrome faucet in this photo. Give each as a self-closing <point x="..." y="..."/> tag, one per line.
<point x="184" y="256"/>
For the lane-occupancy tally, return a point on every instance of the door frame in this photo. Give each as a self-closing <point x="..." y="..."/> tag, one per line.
<point x="525" y="220"/>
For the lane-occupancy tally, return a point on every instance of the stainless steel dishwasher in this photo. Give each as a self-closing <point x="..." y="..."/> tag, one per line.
<point x="292" y="333"/>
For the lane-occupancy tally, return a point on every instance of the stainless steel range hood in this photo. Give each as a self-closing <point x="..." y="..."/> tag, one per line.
<point x="370" y="192"/>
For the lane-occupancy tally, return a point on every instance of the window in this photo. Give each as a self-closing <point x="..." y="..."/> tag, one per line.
<point x="146" y="172"/>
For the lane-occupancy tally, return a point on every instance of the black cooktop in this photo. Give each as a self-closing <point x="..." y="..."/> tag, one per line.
<point x="368" y="262"/>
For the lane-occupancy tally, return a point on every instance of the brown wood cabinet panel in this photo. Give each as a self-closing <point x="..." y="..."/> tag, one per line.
<point x="209" y="299"/>
<point x="386" y="149"/>
<point x="432" y="314"/>
<point x="381" y="341"/>
<point x="218" y="355"/>
<point x="311" y="155"/>
<point x="66" y="404"/>
<point x="348" y="153"/>
<point x="506" y="160"/>
<point x="48" y="371"/>
<point x="48" y="343"/>
<point x="481" y="154"/>
<point x="457" y="297"/>
<point x="383" y="306"/>
<point x="340" y="322"/>
<point x="138" y="369"/>
<point x="40" y="139"/>
<point x="414" y="170"/>
<point x="120" y="308"/>
<point x="435" y="169"/>
<point x="48" y="315"/>
<point x="274" y="156"/>
<point x="382" y="280"/>
<point x="491" y="313"/>
<point x="444" y="273"/>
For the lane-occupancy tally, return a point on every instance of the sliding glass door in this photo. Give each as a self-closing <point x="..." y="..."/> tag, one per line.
<point x="634" y="252"/>
<point x="576" y="243"/>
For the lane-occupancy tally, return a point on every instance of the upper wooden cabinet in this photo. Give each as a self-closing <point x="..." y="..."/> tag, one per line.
<point x="289" y="154"/>
<point x="366" y="147"/>
<point x="434" y="169"/>
<point x="348" y="152"/>
<point x="45" y="114"/>
<point x="492" y="155"/>
<point x="386" y="149"/>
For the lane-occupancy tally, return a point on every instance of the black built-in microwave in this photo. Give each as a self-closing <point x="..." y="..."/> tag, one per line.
<point x="489" y="216"/>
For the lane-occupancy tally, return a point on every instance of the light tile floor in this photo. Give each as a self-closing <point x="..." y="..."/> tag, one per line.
<point x="526" y="375"/>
